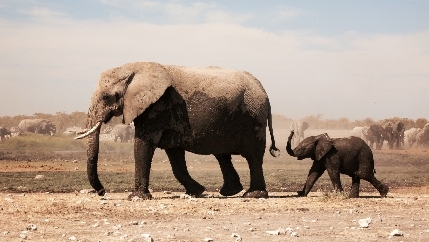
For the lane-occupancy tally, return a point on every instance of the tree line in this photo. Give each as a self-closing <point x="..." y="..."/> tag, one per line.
<point x="64" y="120"/>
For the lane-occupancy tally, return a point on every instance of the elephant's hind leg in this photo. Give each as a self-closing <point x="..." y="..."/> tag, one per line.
<point x="180" y="171"/>
<point x="381" y="188"/>
<point x="231" y="180"/>
<point x="257" y="181"/>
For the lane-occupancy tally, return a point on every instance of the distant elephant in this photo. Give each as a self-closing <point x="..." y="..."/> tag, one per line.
<point x="202" y="110"/>
<point x="375" y="134"/>
<point x="422" y="137"/>
<point x="393" y="133"/>
<point x="411" y="136"/>
<point x="38" y="126"/>
<point x="298" y="127"/>
<point x="360" y="132"/>
<point x="4" y="133"/>
<point x="350" y="156"/>
<point x="124" y="132"/>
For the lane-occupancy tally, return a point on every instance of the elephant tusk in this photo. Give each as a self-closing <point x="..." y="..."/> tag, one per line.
<point x="96" y="126"/>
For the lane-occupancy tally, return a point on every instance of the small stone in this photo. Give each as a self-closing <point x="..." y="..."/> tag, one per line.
<point x="31" y="227"/>
<point x="208" y="240"/>
<point x="396" y="232"/>
<point x="273" y="232"/>
<point x="364" y="223"/>
<point x="72" y="238"/>
<point x="39" y="177"/>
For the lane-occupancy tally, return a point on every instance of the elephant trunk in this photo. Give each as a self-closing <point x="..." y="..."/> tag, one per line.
<point x="92" y="154"/>
<point x="289" y="146"/>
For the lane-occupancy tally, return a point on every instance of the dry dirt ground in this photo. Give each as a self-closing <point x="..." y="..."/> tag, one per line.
<point x="402" y="216"/>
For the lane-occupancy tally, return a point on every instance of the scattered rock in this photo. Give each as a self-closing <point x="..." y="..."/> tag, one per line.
<point x="273" y="232"/>
<point x="31" y="227"/>
<point x="396" y="232"/>
<point x="364" y="223"/>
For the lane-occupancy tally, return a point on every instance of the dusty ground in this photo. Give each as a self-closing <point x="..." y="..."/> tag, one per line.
<point x="168" y="217"/>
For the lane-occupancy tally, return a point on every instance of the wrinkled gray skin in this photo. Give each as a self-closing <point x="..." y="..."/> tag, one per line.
<point x="38" y="126"/>
<point x="124" y="132"/>
<point x="350" y="156"/>
<point x="375" y="134"/>
<point x="298" y="127"/>
<point x="394" y="134"/>
<point x="204" y="111"/>
<point x="4" y="133"/>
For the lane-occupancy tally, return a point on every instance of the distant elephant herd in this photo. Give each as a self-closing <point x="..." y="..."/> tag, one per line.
<point x="219" y="112"/>
<point x="119" y="133"/>
<point x="394" y="134"/>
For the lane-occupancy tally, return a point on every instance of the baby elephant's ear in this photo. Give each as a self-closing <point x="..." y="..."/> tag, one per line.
<point x="324" y="145"/>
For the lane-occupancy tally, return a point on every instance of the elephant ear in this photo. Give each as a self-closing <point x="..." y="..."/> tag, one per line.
<point x="148" y="84"/>
<point x="324" y="145"/>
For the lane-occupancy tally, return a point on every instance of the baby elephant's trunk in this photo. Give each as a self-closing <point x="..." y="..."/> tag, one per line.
<point x="289" y="146"/>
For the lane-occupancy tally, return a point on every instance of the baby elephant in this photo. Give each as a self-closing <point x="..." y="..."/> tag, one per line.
<point x="350" y="156"/>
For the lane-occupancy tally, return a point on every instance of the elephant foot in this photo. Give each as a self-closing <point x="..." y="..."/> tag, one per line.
<point x="384" y="190"/>
<point x="196" y="191"/>
<point x="256" y="194"/>
<point x="301" y="194"/>
<point x="140" y="194"/>
<point x="101" y="192"/>
<point x="354" y="195"/>
<point x="228" y="190"/>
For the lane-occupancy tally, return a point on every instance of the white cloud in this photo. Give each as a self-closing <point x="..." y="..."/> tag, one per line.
<point x="41" y="13"/>
<point x="304" y="74"/>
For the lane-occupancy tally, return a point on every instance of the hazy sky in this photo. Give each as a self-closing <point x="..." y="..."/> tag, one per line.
<point x="353" y="59"/>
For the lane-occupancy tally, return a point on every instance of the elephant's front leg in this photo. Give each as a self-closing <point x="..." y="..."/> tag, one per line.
<point x="180" y="171"/>
<point x="143" y="153"/>
<point x="354" y="192"/>
<point x="315" y="172"/>
<point x="334" y="175"/>
<point x="231" y="179"/>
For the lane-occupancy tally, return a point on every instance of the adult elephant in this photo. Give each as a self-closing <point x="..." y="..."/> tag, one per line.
<point x="411" y="136"/>
<point x="4" y="133"/>
<point x="422" y="137"/>
<point x="350" y="156"/>
<point x="202" y="110"/>
<point x="38" y="126"/>
<point x="124" y="132"/>
<point x="298" y="127"/>
<point x="360" y="132"/>
<point x="394" y="133"/>
<point x="375" y="134"/>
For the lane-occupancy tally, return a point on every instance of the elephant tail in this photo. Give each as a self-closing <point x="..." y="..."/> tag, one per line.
<point x="273" y="149"/>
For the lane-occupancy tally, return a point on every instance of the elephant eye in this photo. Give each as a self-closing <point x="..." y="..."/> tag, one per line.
<point x="109" y="98"/>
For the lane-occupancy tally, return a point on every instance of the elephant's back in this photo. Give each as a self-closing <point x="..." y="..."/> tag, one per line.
<point x="230" y="89"/>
